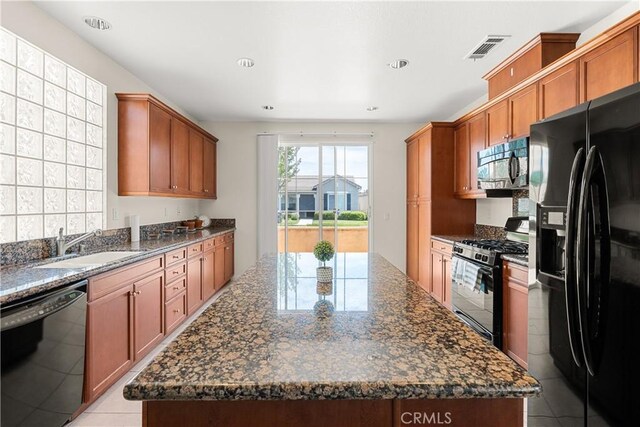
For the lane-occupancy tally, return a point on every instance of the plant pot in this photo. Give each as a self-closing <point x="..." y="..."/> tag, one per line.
<point x="325" y="274"/>
<point x="324" y="288"/>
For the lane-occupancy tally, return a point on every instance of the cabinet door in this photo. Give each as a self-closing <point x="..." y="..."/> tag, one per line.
<point x="228" y="261"/>
<point x="412" y="240"/>
<point x="159" y="150"/>
<point x="109" y="340"/>
<point x="218" y="271"/>
<point x="210" y="168"/>
<point x="523" y="107"/>
<point x="196" y="162"/>
<point x="194" y="284"/>
<point x="477" y="142"/>
<point x="179" y="156"/>
<point x="609" y="67"/>
<point x="424" y="166"/>
<point x="462" y="162"/>
<point x="446" y="281"/>
<point x="424" y="244"/>
<point x="515" y="328"/>
<point x="436" y="276"/>
<point x="558" y="91"/>
<point x="148" y="313"/>
<point x="208" y="275"/>
<point x="498" y="123"/>
<point x="412" y="170"/>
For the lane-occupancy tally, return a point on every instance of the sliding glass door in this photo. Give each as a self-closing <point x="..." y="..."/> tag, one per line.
<point x="323" y="194"/>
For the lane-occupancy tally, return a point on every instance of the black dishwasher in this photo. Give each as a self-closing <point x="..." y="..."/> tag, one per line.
<point x="43" y="341"/>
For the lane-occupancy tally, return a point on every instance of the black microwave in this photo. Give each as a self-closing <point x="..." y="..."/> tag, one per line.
<point x="504" y="166"/>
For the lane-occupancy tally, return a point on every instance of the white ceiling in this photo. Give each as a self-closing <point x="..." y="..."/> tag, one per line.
<point x="318" y="60"/>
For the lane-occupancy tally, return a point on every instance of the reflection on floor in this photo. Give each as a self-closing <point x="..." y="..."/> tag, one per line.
<point x="111" y="409"/>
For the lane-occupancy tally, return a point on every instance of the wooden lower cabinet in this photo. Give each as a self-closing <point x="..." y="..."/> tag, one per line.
<point x="228" y="260"/>
<point x="441" y="272"/>
<point x="148" y="313"/>
<point x="218" y="273"/>
<point x="208" y="274"/>
<point x="515" y="312"/>
<point x="194" y="284"/>
<point x="175" y="312"/>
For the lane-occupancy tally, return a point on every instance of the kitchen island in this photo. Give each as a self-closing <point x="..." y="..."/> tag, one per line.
<point x="372" y="349"/>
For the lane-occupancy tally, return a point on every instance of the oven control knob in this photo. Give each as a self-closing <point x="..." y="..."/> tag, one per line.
<point x="485" y="258"/>
<point x="478" y="256"/>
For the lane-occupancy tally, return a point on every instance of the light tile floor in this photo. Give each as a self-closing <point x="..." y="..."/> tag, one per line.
<point x="112" y="409"/>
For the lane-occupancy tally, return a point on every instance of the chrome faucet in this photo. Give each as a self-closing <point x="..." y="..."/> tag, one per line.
<point x="62" y="244"/>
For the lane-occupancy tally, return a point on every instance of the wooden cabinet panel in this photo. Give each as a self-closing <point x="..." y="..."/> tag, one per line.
<point x="109" y="340"/>
<point x="174" y="288"/>
<point x="515" y="321"/>
<point x="424" y="234"/>
<point x="108" y="282"/>
<point x="523" y="111"/>
<point x="228" y="261"/>
<point x="195" y="249"/>
<point x="196" y="162"/>
<point x="194" y="284"/>
<point x="558" y="91"/>
<point x="498" y="123"/>
<point x="175" y="256"/>
<point x="179" y="156"/>
<point x="446" y="281"/>
<point x="442" y="247"/>
<point x="477" y="142"/>
<point x="159" y="150"/>
<point x="424" y="167"/>
<point x="175" y="271"/>
<point x="148" y="310"/>
<point x="218" y="270"/>
<point x="437" y="276"/>
<point x="208" y="274"/>
<point x="609" y="67"/>
<point x="412" y="170"/>
<point x="462" y="161"/>
<point x="175" y="312"/>
<point x="412" y="240"/>
<point x="209" y="173"/>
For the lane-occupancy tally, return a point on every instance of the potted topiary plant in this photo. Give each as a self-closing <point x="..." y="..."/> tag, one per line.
<point x="323" y="251"/>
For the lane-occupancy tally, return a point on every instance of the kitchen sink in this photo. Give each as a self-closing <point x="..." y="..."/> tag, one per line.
<point x="94" y="260"/>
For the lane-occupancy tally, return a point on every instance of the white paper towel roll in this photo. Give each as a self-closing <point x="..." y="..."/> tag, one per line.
<point x="134" y="221"/>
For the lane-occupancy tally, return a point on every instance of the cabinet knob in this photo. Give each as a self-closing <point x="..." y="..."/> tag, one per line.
<point x="205" y="258"/>
<point x="206" y="191"/>
<point x="175" y="310"/>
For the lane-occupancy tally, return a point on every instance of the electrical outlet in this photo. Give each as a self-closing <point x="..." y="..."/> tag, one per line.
<point x="166" y="212"/>
<point x="115" y="215"/>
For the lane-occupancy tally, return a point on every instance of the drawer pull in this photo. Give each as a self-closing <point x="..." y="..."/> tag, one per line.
<point x="176" y="257"/>
<point x="175" y="310"/>
<point x="175" y="288"/>
<point x="175" y="272"/>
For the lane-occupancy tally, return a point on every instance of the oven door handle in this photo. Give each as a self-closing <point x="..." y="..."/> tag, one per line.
<point x="473" y="324"/>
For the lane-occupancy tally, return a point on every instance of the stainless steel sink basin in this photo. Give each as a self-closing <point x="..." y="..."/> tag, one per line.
<point x="94" y="260"/>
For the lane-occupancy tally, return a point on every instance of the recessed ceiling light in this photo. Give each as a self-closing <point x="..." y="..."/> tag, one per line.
<point x="97" y="23"/>
<point x="246" y="62"/>
<point x="399" y="63"/>
<point x="267" y="107"/>
<point x="372" y="108"/>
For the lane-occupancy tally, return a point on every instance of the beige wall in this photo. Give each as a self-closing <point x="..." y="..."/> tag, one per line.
<point x="31" y="23"/>
<point x="237" y="181"/>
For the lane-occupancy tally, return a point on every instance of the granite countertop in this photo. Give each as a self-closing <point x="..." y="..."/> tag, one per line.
<point x="517" y="259"/>
<point x="276" y="334"/>
<point x="454" y="238"/>
<point x="21" y="280"/>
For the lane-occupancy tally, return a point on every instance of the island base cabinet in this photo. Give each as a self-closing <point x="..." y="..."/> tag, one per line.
<point x="335" y="413"/>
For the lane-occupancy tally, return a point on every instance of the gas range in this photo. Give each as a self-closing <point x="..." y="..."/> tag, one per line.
<point x="488" y="251"/>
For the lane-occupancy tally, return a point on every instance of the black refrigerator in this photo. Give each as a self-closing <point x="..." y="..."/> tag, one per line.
<point x="584" y="267"/>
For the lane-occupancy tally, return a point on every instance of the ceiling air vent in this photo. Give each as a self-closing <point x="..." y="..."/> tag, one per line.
<point x="485" y="46"/>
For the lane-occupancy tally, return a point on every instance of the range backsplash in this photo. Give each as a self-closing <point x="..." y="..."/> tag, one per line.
<point x="519" y="207"/>
<point x="37" y="249"/>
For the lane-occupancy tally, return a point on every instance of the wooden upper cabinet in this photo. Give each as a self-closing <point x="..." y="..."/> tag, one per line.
<point x="196" y="162"/>
<point x="498" y="123"/>
<point x="541" y="51"/>
<point x="462" y="161"/>
<point x="160" y="152"/>
<point x="523" y="111"/>
<point x="609" y="67"/>
<point x="412" y="169"/>
<point x="477" y="142"/>
<point x="209" y="173"/>
<point x="558" y="91"/>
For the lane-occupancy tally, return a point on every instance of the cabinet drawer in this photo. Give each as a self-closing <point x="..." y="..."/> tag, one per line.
<point x="516" y="273"/>
<point x="219" y="241"/>
<point x="174" y="271"/>
<point x="175" y="311"/>
<point x="174" y="288"/>
<point x="108" y="282"/>
<point x="195" y="249"/>
<point x="437" y="245"/>
<point x="228" y="237"/>
<point x="209" y="244"/>
<point x="175" y="256"/>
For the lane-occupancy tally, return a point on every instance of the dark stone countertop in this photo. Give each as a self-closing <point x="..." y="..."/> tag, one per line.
<point x="21" y="280"/>
<point x="516" y="259"/>
<point x="269" y="337"/>
<point x="451" y="239"/>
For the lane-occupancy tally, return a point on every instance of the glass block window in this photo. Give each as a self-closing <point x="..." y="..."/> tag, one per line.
<point x="52" y="144"/>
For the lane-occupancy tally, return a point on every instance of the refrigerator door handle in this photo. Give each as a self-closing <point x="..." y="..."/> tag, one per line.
<point x="593" y="266"/>
<point x="571" y="275"/>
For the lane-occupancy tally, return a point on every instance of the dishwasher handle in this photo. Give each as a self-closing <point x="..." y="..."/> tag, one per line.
<point x="39" y="307"/>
